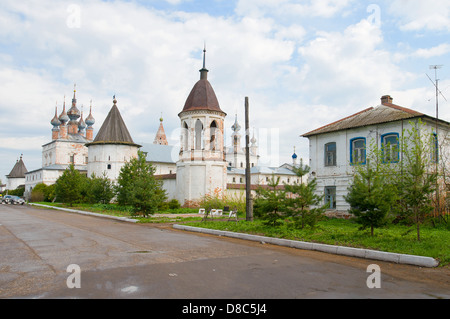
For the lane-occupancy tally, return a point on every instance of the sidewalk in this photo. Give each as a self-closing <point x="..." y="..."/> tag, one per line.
<point x="339" y="250"/>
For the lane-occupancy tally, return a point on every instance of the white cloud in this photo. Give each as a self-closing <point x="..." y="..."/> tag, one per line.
<point x="298" y="76"/>
<point x="340" y="66"/>
<point x="417" y="15"/>
<point x="438" y="50"/>
<point x="289" y="8"/>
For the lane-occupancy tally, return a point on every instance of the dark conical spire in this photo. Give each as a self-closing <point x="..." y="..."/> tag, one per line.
<point x="113" y="130"/>
<point x="202" y="95"/>
<point x="19" y="170"/>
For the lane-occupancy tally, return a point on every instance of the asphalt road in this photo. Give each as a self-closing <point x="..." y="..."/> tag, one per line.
<point x="115" y="259"/>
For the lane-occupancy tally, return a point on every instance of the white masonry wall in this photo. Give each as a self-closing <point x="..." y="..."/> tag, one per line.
<point x="109" y="159"/>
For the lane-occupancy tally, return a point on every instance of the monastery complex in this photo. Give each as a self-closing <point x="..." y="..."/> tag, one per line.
<point x="200" y="164"/>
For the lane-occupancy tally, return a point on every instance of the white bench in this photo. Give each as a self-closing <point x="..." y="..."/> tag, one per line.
<point x="216" y="212"/>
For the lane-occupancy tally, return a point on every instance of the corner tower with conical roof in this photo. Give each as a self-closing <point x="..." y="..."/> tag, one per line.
<point x="16" y="177"/>
<point x="112" y="147"/>
<point x="201" y="168"/>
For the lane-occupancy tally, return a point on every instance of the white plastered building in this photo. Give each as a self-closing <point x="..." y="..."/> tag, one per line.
<point x="336" y="147"/>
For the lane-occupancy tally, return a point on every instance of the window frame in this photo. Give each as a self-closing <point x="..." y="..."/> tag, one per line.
<point x="331" y="205"/>
<point x="352" y="148"/>
<point x="326" y="152"/>
<point x="383" y="147"/>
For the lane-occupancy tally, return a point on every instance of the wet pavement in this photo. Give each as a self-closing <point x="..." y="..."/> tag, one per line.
<point x="123" y="260"/>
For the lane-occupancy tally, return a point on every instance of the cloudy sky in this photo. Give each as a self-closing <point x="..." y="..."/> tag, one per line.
<point x="302" y="63"/>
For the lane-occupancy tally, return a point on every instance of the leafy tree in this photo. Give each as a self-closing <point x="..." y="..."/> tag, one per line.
<point x="138" y="187"/>
<point x="69" y="186"/>
<point x="101" y="189"/>
<point x="372" y="192"/>
<point x="270" y="202"/>
<point x="38" y="193"/>
<point x="418" y="179"/>
<point x="304" y="205"/>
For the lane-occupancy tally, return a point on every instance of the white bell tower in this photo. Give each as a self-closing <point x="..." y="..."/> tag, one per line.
<point x="201" y="168"/>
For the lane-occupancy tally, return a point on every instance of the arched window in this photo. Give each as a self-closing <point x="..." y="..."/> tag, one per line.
<point x="198" y="134"/>
<point x="212" y="132"/>
<point x="185" y="137"/>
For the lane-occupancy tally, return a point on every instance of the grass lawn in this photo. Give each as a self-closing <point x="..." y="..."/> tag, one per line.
<point x="435" y="242"/>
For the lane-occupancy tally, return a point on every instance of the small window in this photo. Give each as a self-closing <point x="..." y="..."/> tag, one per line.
<point x="109" y="166"/>
<point x="234" y="179"/>
<point x="434" y="148"/>
<point x="390" y="147"/>
<point x="358" y="150"/>
<point x="72" y="159"/>
<point x="241" y="180"/>
<point x="330" y="154"/>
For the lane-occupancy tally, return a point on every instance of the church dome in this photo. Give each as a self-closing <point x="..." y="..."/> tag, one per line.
<point x="63" y="116"/>
<point x="202" y="96"/>
<point x="55" y="120"/>
<point x="81" y="123"/>
<point x="73" y="112"/>
<point x="90" y="119"/>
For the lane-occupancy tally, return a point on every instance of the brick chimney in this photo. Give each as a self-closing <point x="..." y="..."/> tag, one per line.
<point x="386" y="99"/>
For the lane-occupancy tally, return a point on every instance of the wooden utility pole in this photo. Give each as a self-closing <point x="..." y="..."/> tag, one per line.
<point x="248" y="194"/>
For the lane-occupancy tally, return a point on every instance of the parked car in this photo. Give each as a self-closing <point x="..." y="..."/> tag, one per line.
<point x="12" y="199"/>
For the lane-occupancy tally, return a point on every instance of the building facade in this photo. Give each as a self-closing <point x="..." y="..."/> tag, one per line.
<point x="70" y="133"/>
<point x="334" y="149"/>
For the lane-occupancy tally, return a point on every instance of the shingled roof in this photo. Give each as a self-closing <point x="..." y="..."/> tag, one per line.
<point x="113" y="130"/>
<point x="386" y="112"/>
<point x="19" y="170"/>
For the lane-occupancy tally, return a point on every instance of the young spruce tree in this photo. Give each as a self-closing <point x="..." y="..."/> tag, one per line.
<point x="138" y="187"/>
<point x="269" y="204"/>
<point x="372" y="192"/>
<point x="303" y="204"/>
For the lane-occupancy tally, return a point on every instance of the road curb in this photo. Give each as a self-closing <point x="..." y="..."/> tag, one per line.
<point x="124" y="219"/>
<point x="338" y="250"/>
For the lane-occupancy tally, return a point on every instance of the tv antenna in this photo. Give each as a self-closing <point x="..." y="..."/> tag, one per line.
<point x="438" y="92"/>
<point x="436" y="85"/>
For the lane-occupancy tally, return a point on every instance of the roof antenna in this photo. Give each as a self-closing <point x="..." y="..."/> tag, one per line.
<point x="436" y="84"/>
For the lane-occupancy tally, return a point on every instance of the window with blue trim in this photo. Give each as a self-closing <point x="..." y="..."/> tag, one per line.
<point x="358" y="150"/>
<point x="390" y="147"/>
